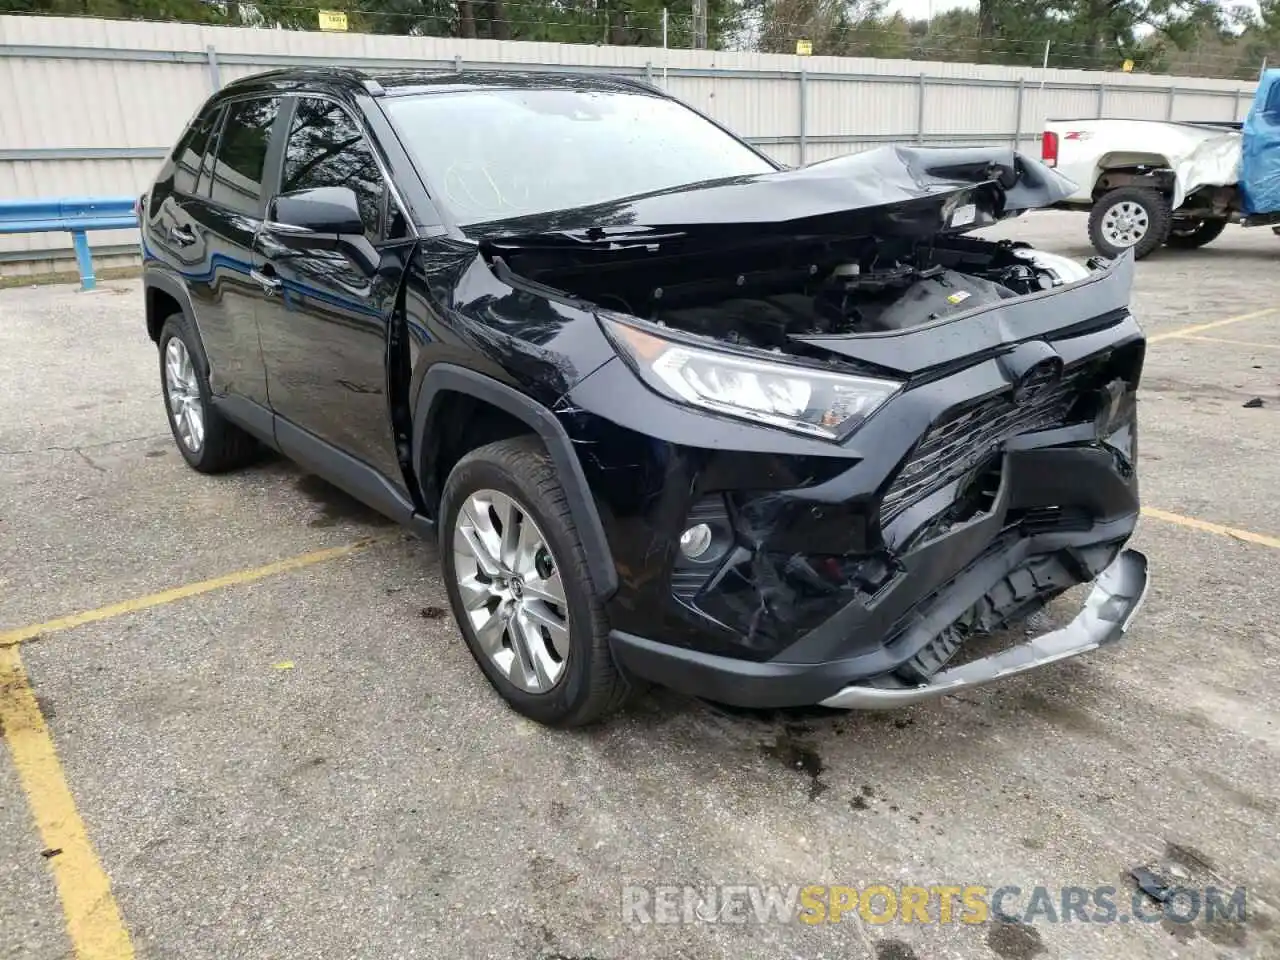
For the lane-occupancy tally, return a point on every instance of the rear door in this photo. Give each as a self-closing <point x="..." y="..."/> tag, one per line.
<point x="224" y="215"/>
<point x="173" y="236"/>
<point x="324" y="337"/>
<point x="1260" y="153"/>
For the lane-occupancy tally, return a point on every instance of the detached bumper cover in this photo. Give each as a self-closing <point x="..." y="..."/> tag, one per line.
<point x="1116" y="597"/>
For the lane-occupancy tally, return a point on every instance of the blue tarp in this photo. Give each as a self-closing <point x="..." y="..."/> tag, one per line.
<point x="1260" y="151"/>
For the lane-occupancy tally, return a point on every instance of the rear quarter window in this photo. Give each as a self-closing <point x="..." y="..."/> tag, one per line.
<point x="188" y="156"/>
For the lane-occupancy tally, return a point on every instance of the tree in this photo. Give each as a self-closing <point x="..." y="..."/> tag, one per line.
<point x="834" y="27"/>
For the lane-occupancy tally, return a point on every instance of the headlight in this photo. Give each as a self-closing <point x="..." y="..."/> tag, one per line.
<point x="807" y="401"/>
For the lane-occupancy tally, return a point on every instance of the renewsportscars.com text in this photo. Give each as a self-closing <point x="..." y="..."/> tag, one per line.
<point x="884" y="904"/>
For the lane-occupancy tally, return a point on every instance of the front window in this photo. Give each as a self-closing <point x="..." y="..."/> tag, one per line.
<point x="326" y="149"/>
<point x="494" y="155"/>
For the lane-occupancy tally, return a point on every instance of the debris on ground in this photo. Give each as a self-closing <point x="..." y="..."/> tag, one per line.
<point x="1253" y="404"/>
<point x="1151" y="884"/>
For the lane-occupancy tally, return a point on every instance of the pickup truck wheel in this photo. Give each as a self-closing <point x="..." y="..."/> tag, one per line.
<point x="1189" y="234"/>
<point x="517" y="579"/>
<point x="208" y="441"/>
<point x="1129" y="218"/>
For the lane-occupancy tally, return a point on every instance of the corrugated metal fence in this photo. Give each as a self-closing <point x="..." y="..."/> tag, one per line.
<point x="89" y="107"/>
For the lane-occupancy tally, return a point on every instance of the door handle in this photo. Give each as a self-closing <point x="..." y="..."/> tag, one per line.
<point x="182" y="236"/>
<point x="268" y="281"/>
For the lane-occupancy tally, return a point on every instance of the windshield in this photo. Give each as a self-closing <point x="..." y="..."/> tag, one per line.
<point x="497" y="154"/>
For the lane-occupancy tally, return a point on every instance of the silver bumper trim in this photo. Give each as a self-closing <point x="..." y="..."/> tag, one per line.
<point x="1112" y="604"/>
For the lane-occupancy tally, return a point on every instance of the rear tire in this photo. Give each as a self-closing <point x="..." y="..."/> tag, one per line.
<point x="1129" y="218"/>
<point x="207" y="440"/>
<point x="1190" y="234"/>
<point x="550" y="660"/>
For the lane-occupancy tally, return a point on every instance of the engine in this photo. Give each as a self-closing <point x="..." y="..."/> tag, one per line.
<point x="763" y="296"/>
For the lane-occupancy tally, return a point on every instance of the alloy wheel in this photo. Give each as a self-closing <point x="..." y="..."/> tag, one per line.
<point x="182" y="387"/>
<point x="511" y="591"/>
<point x="1125" y="223"/>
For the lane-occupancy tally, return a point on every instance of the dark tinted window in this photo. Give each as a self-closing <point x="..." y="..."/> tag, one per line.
<point x="206" y="163"/>
<point x="326" y="149"/>
<point x="190" y="151"/>
<point x="242" y="154"/>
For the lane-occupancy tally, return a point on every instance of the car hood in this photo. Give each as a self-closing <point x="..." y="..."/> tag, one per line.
<point x="889" y="191"/>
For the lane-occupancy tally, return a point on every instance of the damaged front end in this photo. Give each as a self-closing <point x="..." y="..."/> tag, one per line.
<point x="841" y="437"/>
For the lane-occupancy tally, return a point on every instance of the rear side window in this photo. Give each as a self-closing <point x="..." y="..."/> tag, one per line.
<point x="242" y="154"/>
<point x="327" y="149"/>
<point x="189" y="155"/>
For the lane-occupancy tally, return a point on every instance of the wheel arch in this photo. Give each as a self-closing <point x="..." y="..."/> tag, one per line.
<point x="1132" y="169"/>
<point x="501" y="410"/>
<point x="165" y="295"/>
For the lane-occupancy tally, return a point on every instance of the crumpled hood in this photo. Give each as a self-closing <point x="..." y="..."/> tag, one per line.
<point x="895" y="191"/>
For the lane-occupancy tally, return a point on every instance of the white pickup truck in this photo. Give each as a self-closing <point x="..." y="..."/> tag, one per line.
<point x="1149" y="183"/>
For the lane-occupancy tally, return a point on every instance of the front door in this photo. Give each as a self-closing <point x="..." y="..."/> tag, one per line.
<point x="324" y="334"/>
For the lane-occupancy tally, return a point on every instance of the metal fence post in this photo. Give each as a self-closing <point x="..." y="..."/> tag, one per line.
<point x="804" y="110"/>
<point x="1168" y="107"/>
<point x="1017" y="118"/>
<point x="920" y="111"/>
<point x="84" y="259"/>
<point x="215" y="77"/>
<point x="1235" y="114"/>
<point x="1102" y="98"/>
<point x="648" y="71"/>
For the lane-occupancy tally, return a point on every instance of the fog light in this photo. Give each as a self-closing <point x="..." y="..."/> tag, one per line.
<point x="695" y="541"/>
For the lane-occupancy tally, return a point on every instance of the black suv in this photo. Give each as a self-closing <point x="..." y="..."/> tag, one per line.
<point x="675" y="413"/>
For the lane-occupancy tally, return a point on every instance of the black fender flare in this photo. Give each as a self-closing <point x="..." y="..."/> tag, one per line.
<point x="161" y="279"/>
<point x="449" y="378"/>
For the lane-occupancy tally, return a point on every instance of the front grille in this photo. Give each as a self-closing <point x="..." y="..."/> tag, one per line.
<point x="956" y="445"/>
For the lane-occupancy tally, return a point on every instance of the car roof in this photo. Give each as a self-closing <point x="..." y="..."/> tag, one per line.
<point x="348" y="80"/>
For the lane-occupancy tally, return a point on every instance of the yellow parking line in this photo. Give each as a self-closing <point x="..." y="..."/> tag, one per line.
<point x="1197" y="328"/>
<point x="1204" y="526"/>
<point x="93" y="919"/>
<point x="1237" y="343"/>
<point x="11" y="638"/>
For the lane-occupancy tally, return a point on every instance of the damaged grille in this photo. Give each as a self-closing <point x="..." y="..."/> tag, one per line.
<point x="955" y="446"/>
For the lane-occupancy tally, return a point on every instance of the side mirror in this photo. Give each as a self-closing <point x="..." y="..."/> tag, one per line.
<point x="319" y="218"/>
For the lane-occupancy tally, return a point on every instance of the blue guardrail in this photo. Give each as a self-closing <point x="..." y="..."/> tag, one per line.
<point x="77" y="215"/>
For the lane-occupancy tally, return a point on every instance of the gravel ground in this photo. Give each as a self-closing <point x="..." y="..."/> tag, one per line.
<point x="376" y="799"/>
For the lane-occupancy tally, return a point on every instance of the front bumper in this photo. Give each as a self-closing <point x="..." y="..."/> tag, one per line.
<point x="824" y="588"/>
<point x="1112" y="604"/>
<point x="1001" y="580"/>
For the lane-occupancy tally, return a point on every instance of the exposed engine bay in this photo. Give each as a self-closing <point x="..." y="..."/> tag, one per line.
<point x="763" y="292"/>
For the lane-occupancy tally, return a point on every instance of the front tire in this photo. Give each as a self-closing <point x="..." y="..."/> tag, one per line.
<point x="521" y="593"/>
<point x="1190" y="234"/>
<point x="1129" y="218"/>
<point x="207" y="440"/>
